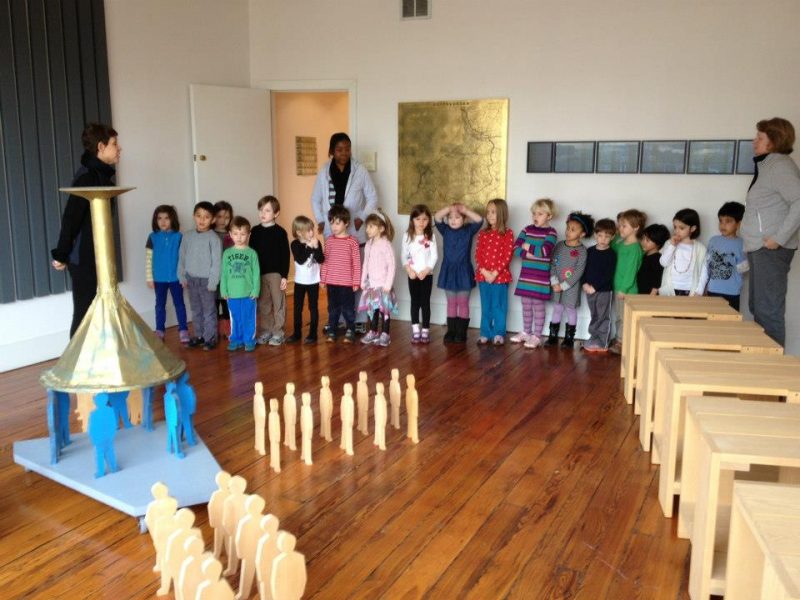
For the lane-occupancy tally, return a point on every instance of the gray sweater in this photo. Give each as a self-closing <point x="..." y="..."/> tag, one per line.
<point x="773" y="204"/>
<point x="200" y="256"/>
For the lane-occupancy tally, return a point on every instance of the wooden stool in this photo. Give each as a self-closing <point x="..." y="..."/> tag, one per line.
<point x="687" y="307"/>
<point x="763" y="548"/>
<point x="657" y="333"/>
<point x="684" y="373"/>
<point x="723" y="436"/>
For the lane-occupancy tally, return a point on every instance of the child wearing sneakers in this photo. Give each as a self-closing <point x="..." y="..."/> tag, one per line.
<point x="341" y="273"/>
<point x="378" y="299"/>
<point x="598" y="284"/>
<point x="239" y="286"/>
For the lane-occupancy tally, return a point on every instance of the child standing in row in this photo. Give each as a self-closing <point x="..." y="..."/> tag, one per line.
<point x="684" y="258"/>
<point x="240" y="285"/>
<point x="271" y="243"/>
<point x="726" y="259"/>
<point x="598" y="283"/>
<point x="198" y="272"/>
<point x="378" y="299"/>
<point x="630" y="224"/>
<point x="419" y="258"/>
<point x="341" y="273"/>
<point x="535" y="246"/>
<point x="161" y="268"/>
<point x="648" y="278"/>
<point x="222" y="221"/>
<point x="456" y="276"/>
<point x="493" y="256"/>
<point x="566" y="270"/>
<point x="308" y="256"/>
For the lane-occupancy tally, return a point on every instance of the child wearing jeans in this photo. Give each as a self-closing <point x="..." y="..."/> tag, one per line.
<point x="308" y="256"/>
<point x="493" y="257"/>
<point x="598" y="284"/>
<point x="726" y="260"/>
<point x="240" y="285"/>
<point x="341" y="273"/>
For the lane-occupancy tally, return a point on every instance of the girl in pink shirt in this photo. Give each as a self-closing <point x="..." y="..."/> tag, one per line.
<point x="377" y="279"/>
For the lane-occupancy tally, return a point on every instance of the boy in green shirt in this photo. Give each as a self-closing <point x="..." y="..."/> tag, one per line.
<point x="240" y="284"/>
<point x="630" y="224"/>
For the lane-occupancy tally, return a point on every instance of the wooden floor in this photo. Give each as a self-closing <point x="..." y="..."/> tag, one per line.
<point x="528" y="482"/>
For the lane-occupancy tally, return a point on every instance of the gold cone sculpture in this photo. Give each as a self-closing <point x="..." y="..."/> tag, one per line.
<point x="113" y="349"/>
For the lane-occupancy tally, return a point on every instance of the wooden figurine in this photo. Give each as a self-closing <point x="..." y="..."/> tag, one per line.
<point x="84" y="405"/>
<point x="289" y="417"/>
<point x="274" y="436"/>
<point x="174" y="548"/>
<point x="135" y="406"/>
<point x="325" y="409"/>
<point x="191" y="573"/>
<point x="346" y="410"/>
<point x="362" y="401"/>
<point x="247" y="535"/>
<point x="213" y="587"/>
<point x="216" y="508"/>
<point x="306" y="428"/>
<point x="232" y="513"/>
<point x="288" y="577"/>
<point x="260" y="417"/>
<point x="412" y="409"/>
<point x="394" y="397"/>
<point x="380" y="417"/>
<point x="102" y="429"/>
<point x="266" y="552"/>
<point x="163" y="505"/>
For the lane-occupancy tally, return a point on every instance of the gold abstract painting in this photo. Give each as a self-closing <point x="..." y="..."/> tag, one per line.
<point x="451" y="151"/>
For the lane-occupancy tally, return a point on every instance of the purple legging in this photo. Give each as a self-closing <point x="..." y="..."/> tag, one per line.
<point x="558" y="310"/>
<point x="532" y="314"/>
<point x="457" y="304"/>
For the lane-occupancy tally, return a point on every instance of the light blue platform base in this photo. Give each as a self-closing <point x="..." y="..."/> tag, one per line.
<point x="142" y="458"/>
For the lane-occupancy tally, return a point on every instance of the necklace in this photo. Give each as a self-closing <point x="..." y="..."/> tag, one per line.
<point x="688" y="264"/>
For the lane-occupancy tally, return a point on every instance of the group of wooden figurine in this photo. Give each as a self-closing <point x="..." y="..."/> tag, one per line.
<point x="251" y="541"/>
<point x="347" y="411"/>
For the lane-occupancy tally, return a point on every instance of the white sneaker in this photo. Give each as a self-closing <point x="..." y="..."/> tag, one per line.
<point x="533" y="341"/>
<point x="519" y="338"/>
<point x="383" y="340"/>
<point x="370" y="337"/>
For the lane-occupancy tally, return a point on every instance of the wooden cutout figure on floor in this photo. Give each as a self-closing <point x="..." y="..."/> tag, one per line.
<point x="216" y="510"/>
<point x="247" y="535"/>
<point x="325" y="409"/>
<point x="175" y="551"/>
<point x="232" y="513"/>
<point x="119" y="402"/>
<point x="346" y="412"/>
<point x="102" y="429"/>
<point x="165" y="526"/>
<point x="162" y="505"/>
<point x="274" y="436"/>
<point x="395" y="396"/>
<point x="191" y="573"/>
<point x="288" y="577"/>
<point x="362" y="401"/>
<point x="289" y="417"/>
<point x="306" y="428"/>
<point x="135" y="406"/>
<point x="412" y="408"/>
<point x="84" y="405"/>
<point x="260" y="417"/>
<point x="173" y="421"/>
<point x="266" y="552"/>
<point x="213" y="586"/>
<point x="187" y="400"/>
<point x="380" y="417"/>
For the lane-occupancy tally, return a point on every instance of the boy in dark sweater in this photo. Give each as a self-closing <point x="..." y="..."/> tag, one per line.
<point x="271" y="243"/>
<point x="648" y="279"/>
<point x="598" y="283"/>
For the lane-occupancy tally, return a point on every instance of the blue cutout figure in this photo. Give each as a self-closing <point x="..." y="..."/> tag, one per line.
<point x="62" y="399"/>
<point x="173" y="421"/>
<point x="147" y="408"/>
<point x="52" y="426"/>
<point x="188" y="401"/>
<point x="119" y="402"/>
<point x="102" y="429"/>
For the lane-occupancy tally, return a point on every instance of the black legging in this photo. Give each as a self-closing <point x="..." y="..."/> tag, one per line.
<point x="420" y="290"/>
<point x="380" y="321"/>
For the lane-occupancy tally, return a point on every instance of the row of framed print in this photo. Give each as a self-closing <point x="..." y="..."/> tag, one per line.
<point x="695" y="157"/>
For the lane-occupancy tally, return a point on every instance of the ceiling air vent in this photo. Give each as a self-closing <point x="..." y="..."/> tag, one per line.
<point x="416" y="9"/>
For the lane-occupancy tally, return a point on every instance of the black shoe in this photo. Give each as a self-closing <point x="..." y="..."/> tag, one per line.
<point x="450" y="336"/>
<point x="552" y="339"/>
<point x="292" y="339"/>
<point x="210" y="345"/>
<point x="310" y="340"/>
<point x="349" y="336"/>
<point x="569" y="337"/>
<point x="195" y="342"/>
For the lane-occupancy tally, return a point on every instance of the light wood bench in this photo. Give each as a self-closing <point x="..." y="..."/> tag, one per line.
<point x="687" y="307"/>
<point x="657" y="333"/>
<point x="724" y="438"/>
<point x="764" y="543"/>
<point x="683" y="373"/>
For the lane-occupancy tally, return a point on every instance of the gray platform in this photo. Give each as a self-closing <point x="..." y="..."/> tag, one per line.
<point x="142" y="458"/>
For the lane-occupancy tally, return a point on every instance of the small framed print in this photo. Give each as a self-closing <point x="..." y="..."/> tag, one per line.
<point x="744" y="157"/>
<point x="574" y="157"/>
<point x="711" y="157"/>
<point x="668" y="156"/>
<point x="617" y="157"/>
<point x="540" y="157"/>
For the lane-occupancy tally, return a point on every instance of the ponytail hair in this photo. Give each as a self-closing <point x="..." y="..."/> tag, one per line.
<point x="379" y="219"/>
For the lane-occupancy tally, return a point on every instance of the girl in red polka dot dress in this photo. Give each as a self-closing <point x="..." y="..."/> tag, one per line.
<point x="492" y="257"/>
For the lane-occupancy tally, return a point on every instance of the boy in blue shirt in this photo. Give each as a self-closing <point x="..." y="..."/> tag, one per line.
<point x="725" y="258"/>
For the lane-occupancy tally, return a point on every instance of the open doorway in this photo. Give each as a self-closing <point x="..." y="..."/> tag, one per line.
<point x="311" y="116"/>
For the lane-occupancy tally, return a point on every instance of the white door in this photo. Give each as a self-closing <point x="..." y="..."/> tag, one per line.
<point x="232" y="146"/>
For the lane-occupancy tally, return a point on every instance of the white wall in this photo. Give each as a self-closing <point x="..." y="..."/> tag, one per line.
<point x="155" y="49"/>
<point x="578" y="70"/>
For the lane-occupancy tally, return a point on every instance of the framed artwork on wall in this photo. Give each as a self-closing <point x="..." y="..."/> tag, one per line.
<point x="574" y="157"/>
<point x="617" y="157"/>
<point x="540" y="157"/>
<point x="711" y="157"/>
<point x="667" y="156"/>
<point x="744" y="157"/>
